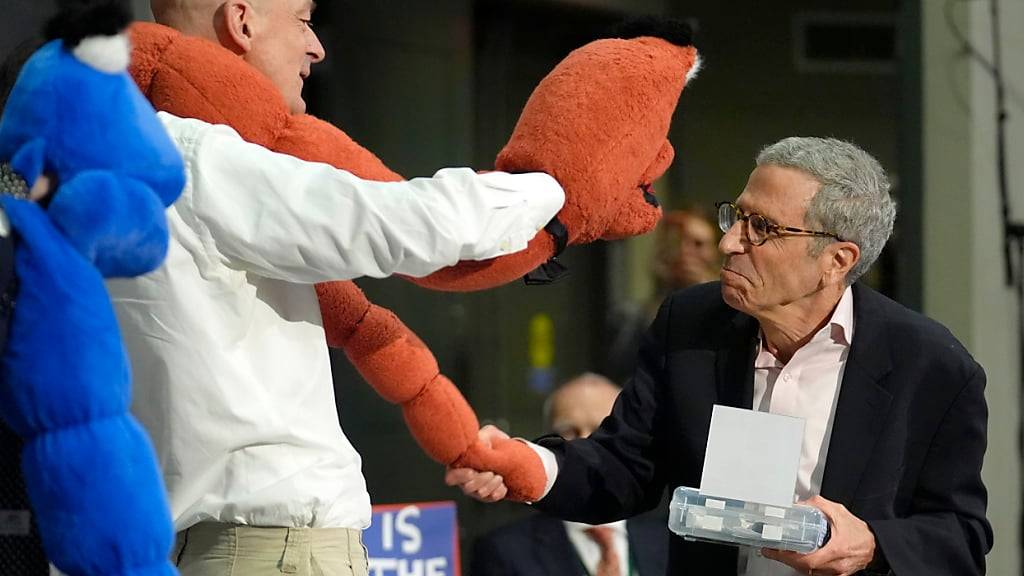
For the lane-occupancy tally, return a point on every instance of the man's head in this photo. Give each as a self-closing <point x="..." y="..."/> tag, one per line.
<point x="686" y="249"/>
<point x="577" y="407"/>
<point x="833" y="191"/>
<point x="274" y="36"/>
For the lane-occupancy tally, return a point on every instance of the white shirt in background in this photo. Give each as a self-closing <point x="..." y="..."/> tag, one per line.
<point x="231" y="372"/>
<point x="590" y="552"/>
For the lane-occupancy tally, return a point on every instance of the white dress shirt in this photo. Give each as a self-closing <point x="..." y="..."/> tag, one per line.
<point x="806" y="387"/>
<point x="590" y="552"/>
<point x="231" y="372"/>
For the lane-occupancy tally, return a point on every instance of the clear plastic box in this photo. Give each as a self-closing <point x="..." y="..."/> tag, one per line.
<point x="721" y="520"/>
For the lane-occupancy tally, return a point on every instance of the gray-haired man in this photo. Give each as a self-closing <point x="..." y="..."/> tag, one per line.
<point x="894" y="405"/>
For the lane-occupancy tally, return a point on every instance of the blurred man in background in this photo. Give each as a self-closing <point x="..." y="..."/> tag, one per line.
<point x="685" y="254"/>
<point x="687" y="251"/>
<point x="542" y="545"/>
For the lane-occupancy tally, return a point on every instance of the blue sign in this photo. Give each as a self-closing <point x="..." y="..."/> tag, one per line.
<point x="419" y="539"/>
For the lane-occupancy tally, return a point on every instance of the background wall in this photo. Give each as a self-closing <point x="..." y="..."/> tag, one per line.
<point x="964" y="285"/>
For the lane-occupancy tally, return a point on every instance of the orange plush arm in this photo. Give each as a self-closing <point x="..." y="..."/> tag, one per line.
<point x="226" y="90"/>
<point x="604" y="144"/>
<point x="387" y="354"/>
<point x="598" y="123"/>
<point x="403" y="371"/>
<point x="195" y="78"/>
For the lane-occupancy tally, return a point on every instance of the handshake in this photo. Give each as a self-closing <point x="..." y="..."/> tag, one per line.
<point x="499" y="467"/>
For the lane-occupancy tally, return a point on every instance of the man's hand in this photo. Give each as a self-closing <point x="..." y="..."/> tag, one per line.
<point x="42" y="188"/>
<point x="483" y="486"/>
<point x="850" y="549"/>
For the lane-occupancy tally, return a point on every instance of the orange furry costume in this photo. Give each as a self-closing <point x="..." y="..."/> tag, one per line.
<point x="598" y="124"/>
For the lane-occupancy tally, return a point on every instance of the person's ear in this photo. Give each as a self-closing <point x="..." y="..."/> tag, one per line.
<point x="841" y="258"/>
<point x="235" y="21"/>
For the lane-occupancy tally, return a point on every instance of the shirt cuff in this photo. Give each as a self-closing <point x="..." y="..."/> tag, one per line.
<point x="547" y="458"/>
<point x="521" y="205"/>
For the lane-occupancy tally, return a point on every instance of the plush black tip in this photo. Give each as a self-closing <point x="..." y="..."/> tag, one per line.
<point x="649" y="197"/>
<point x="79" y="19"/>
<point x="674" y="31"/>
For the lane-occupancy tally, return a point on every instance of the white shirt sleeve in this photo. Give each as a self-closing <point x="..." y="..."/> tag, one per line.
<point x="288" y="219"/>
<point x="547" y="458"/>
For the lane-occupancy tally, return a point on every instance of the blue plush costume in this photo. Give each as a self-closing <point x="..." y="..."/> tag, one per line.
<point x="89" y="468"/>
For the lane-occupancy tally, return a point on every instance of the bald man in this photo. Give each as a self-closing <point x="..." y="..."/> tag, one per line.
<point x="275" y="36"/>
<point x="577" y="407"/>
<point x="232" y="374"/>
<point x="543" y="545"/>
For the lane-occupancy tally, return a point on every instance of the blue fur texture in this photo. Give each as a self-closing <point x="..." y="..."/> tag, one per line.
<point x="90" y="470"/>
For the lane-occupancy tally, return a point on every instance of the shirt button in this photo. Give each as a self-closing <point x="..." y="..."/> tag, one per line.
<point x="787" y="377"/>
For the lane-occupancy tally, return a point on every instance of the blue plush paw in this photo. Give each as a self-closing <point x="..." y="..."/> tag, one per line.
<point x="117" y="223"/>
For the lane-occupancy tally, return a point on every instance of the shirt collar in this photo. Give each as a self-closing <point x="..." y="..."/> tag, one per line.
<point x="618" y="527"/>
<point x="842" y="319"/>
<point x="839" y="330"/>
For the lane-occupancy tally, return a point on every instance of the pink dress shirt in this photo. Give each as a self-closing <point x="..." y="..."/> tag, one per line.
<point x="806" y="387"/>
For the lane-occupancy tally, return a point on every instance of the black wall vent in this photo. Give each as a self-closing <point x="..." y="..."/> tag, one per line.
<point x="845" y="43"/>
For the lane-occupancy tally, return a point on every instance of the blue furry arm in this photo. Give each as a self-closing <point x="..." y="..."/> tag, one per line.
<point x="89" y="468"/>
<point x="116" y="222"/>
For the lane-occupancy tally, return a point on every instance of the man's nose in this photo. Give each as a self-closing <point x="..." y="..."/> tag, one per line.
<point x="732" y="241"/>
<point x="315" y="49"/>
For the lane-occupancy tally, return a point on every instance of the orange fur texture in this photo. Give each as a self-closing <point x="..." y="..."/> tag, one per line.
<point x="598" y="123"/>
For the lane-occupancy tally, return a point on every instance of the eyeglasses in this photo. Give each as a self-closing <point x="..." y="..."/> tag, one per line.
<point x="759" y="228"/>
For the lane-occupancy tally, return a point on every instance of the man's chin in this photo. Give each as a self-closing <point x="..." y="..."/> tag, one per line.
<point x="733" y="297"/>
<point x="296" y="104"/>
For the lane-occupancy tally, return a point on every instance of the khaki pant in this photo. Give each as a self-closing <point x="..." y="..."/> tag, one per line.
<point x="211" y="549"/>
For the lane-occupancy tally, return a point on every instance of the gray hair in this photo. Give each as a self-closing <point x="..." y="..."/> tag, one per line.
<point x="853" y="201"/>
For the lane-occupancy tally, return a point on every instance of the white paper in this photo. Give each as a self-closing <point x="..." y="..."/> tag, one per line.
<point x="752" y="456"/>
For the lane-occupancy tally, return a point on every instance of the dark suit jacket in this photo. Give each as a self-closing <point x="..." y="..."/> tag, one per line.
<point x="540" y="546"/>
<point x="905" y="455"/>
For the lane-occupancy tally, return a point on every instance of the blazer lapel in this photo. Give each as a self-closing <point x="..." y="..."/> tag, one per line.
<point x="863" y="403"/>
<point x="648" y="543"/>
<point x="735" y="362"/>
<point x="554" y="550"/>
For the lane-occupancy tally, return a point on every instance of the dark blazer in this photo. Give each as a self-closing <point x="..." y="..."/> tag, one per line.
<point x="540" y="546"/>
<point x="907" y="443"/>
